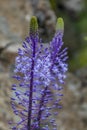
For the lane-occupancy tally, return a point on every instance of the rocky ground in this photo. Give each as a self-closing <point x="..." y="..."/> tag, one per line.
<point x="14" y="25"/>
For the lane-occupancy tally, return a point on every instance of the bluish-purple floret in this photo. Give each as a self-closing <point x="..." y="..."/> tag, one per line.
<point x="39" y="71"/>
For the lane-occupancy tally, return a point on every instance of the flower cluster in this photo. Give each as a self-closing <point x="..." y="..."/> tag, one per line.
<point x="38" y="70"/>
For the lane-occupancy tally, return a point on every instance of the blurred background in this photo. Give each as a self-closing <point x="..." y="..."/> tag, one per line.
<point x="14" y="27"/>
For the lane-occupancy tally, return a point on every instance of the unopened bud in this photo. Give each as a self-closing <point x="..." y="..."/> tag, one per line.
<point x="60" y="24"/>
<point x="33" y="25"/>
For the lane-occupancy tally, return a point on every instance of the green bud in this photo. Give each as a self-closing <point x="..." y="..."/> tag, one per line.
<point x="33" y="25"/>
<point x="60" y="24"/>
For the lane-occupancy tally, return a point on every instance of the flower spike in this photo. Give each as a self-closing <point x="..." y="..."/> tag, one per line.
<point x="38" y="70"/>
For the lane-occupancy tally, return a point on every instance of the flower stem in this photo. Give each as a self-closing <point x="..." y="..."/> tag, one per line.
<point x="31" y="89"/>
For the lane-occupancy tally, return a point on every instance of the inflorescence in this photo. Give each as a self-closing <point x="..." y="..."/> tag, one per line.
<point x="39" y="71"/>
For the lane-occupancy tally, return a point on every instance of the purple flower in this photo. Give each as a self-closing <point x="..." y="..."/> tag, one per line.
<point x="38" y="70"/>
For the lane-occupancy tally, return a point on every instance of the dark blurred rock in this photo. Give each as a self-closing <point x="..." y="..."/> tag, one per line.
<point x="5" y="108"/>
<point x="5" y="30"/>
<point x="82" y="74"/>
<point x="83" y="111"/>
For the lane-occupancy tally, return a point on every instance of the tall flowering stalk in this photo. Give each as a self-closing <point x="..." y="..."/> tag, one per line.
<point x="39" y="70"/>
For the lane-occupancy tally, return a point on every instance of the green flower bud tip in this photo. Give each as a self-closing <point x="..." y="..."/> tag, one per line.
<point x="33" y="25"/>
<point x="60" y="24"/>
